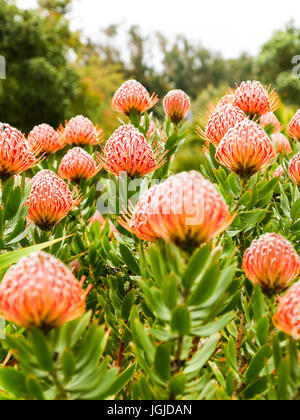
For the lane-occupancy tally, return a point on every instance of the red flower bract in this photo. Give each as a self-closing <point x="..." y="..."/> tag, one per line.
<point x="246" y="149"/>
<point x="50" y="200"/>
<point x="77" y="164"/>
<point x="133" y="96"/>
<point x="176" y="105"/>
<point x="294" y="126"/>
<point x="253" y="98"/>
<point x="43" y="138"/>
<point x="224" y="118"/>
<point x="294" y="168"/>
<point x="81" y="132"/>
<point x="185" y="209"/>
<point x="16" y="154"/>
<point x="287" y="317"/>
<point x="271" y="262"/>
<point x="270" y="118"/>
<point x="281" y="143"/>
<point x="40" y="291"/>
<point x="127" y="150"/>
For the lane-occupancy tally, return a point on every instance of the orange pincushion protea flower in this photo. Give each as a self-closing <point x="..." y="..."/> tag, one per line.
<point x="77" y="164"/>
<point x="50" y="200"/>
<point x="270" y="118"/>
<point x="81" y="132"/>
<point x="253" y="98"/>
<point x="185" y="209"/>
<point x="224" y="118"/>
<point x="16" y="155"/>
<point x="271" y="262"/>
<point x="246" y="149"/>
<point x="43" y="138"/>
<point x="294" y="126"/>
<point x="99" y="218"/>
<point x="294" y="168"/>
<point x="127" y="150"/>
<point x="281" y="143"/>
<point x="40" y="291"/>
<point x="287" y="317"/>
<point x="176" y="105"/>
<point x="132" y="95"/>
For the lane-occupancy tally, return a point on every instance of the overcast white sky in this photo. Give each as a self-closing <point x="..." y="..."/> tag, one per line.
<point x="228" y="26"/>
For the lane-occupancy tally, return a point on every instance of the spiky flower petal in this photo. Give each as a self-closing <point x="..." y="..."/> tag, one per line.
<point x="269" y="118"/>
<point x="40" y="291"/>
<point x="185" y="209"/>
<point x="43" y="138"/>
<point x="127" y="150"/>
<point x="50" y="200"/>
<point x="253" y="98"/>
<point x="271" y="262"/>
<point x="132" y="95"/>
<point x="294" y="168"/>
<point x="16" y="155"/>
<point x="80" y="131"/>
<point x="246" y="149"/>
<point x="77" y="164"/>
<point x="281" y="143"/>
<point x="176" y="105"/>
<point x="294" y="126"/>
<point x="287" y="317"/>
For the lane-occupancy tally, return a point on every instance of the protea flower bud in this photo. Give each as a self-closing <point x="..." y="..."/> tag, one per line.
<point x="287" y="317"/>
<point x="132" y="95"/>
<point x="50" y="200"/>
<point x="271" y="262"/>
<point x="226" y="99"/>
<point x="246" y="149"/>
<point x="16" y="154"/>
<point x="294" y="168"/>
<point x="99" y="218"/>
<point x="281" y="143"/>
<point x="269" y="118"/>
<point x="253" y="98"/>
<point x="43" y="138"/>
<point x="294" y="126"/>
<point x="40" y="291"/>
<point x="279" y="171"/>
<point x="82" y="132"/>
<point x="185" y="209"/>
<point x="77" y="164"/>
<point x="127" y="150"/>
<point x="176" y="105"/>
<point x="224" y="118"/>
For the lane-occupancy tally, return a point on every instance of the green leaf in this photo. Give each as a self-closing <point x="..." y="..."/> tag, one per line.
<point x="41" y="350"/>
<point x="68" y="364"/>
<point x="127" y="305"/>
<point x="181" y="320"/>
<point x="201" y="357"/>
<point x="170" y="291"/>
<point x="283" y="380"/>
<point x="13" y="382"/>
<point x="122" y="380"/>
<point x="258" y="302"/>
<point x="256" y="366"/>
<point x="177" y="384"/>
<point x="256" y="388"/>
<point x="129" y="260"/>
<point x="162" y="362"/>
<point x="206" y="286"/>
<point x="34" y="388"/>
<point x="195" y="266"/>
<point x="277" y="354"/>
<point x="213" y="327"/>
<point x="262" y="330"/>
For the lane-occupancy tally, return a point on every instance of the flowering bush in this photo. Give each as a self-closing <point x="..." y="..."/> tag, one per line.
<point x="123" y="280"/>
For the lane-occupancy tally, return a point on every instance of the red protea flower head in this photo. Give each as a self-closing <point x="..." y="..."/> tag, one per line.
<point x="127" y="150"/>
<point x="281" y="143"/>
<point x="176" y="105"/>
<point x="269" y="118"/>
<point x="99" y="218"/>
<point x="81" y="132"/>
<point x="287" y="317"/>
<point x="77" y="164"/>
<point x="246" y="149"/>
<point x="43" y="138"/>
<point x="152" y="129"/>
<point x="50" y="200"/>
<point x="253" y="98"/>
<point x="226" y="99"/>
<point x="16" y="155"/>
<point x="294" y="126"/>
<point x="185" y="209"/>
<point x="40" y="291"/>
<point x="271" y="262"/>
<point x="294" y="168"/>
<point x="224" y="118"/>
<point x="132" y="95"/>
